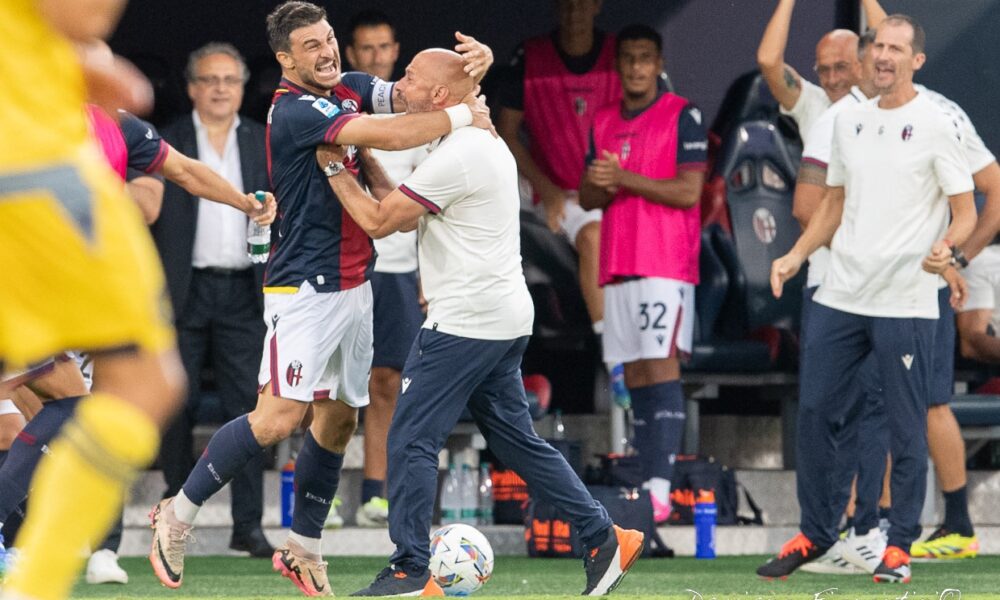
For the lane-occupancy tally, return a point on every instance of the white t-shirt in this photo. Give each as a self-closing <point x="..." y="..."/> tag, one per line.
<point x="897" y="167"/>
<point x="812" y="102"/>
<point x="397" y="253"/>
<point x="983" y="278"/>
<point x="470" y="244"/>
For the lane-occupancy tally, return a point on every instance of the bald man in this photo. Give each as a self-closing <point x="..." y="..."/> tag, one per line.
<point x="837" y="67"/>
<point x="463" y="201"/>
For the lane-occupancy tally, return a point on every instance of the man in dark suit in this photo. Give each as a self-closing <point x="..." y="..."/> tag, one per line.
<point x="215" y="291"/>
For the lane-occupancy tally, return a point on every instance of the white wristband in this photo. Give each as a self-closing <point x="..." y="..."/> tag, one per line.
<point x="460" y="115"/>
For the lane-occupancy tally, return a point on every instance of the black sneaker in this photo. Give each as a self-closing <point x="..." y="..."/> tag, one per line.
<point x="393" y="582"/>
<point x="253" y="541"/>
<point x="607" y="564"/>
<point x="795" y="553"/>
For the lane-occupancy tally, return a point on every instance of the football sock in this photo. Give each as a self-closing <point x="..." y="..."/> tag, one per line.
<point x="78" y="491"/>
<point x="185" y="511"/>
<point x="371" y="488"/>
<point x="317" y="474"/>
<point x="659" y="425"/>
<point x="28" y="449"/>
<point x="229" y="450"/>
<point x="956" y="512"/>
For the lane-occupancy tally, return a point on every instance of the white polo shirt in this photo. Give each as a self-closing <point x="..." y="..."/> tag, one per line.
<point x="470" y="245"/>
<point x="983" y="278"/>
<point x="812" y="103"/>
<point x="897" y="167"/>
<point x="397" y="253"/>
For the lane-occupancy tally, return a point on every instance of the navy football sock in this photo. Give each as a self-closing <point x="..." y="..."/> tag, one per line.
<point x="317" y="474"/>
<point x="659" y="425"/>
<point x="229" y="450"/>
<point x="956" y="512"/>
<point x="371" y="488"/>
<point x="27" y="450"/>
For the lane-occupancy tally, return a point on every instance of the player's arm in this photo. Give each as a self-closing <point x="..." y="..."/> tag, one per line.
<point x="784" y="82"/>
<point x="199" y="180"/>
<point x="987" y="181"/>
<point x="147" y="192"/>
<point x="974" y="340"/>
<point x="400" y="132"/>
<point x="822" y="226"/>
<point x="478" y="60"/>
<point x="396" y="212"/>
<point x="874" y="13"/>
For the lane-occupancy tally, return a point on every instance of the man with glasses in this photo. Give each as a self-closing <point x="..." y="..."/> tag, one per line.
<point x="216" y="294"/>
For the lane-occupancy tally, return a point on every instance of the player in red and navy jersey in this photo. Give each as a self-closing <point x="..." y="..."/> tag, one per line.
<point x="645" y="169"/>
<point x="318" y="301"/>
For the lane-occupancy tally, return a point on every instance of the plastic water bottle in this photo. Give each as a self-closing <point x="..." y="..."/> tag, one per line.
<point x="558" y="429"/>
<point x="469" y="495"/>
<point x="451" y="501"/>
<point x="287" y="492"/>
<point x="485" y="513"/>
<point x="258" y="238"/>
<point x="621" y="395"/>
<point x="704" y="524"/>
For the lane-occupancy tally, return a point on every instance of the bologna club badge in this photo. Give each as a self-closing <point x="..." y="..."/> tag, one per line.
<point x="764" y="225"/>
<point x="294" y="373"/>
<point x="907" y="133"/>
<point x="580" y="106"/>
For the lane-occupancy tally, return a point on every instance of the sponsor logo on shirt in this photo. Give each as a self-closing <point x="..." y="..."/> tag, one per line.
<point x="698" y="145"/>
<point x="326" y="107"/>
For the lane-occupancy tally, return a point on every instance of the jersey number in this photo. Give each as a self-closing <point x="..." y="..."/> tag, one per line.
<point x="644" y="314"/>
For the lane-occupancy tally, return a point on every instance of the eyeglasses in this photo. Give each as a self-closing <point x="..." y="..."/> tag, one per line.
<point x="215" y="81"/>
<point x="841" y="68"/>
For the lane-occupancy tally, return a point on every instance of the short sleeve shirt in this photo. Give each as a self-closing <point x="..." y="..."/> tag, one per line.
<point x="146" y="149"/>
<point x="983" y="278"/>
<point x="812" y="102"/>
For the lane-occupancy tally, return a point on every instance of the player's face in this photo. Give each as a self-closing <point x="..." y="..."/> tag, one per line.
<point x="416" y="88"/>
<point x="374" y="51"/>
<point x="837" y="67"/>
<point x="639" y="66"/>
<point x="577" y="16"/>
<point x="895" y="60"/>
<point x="217" y="89"/>
<point x="316" y="56"/>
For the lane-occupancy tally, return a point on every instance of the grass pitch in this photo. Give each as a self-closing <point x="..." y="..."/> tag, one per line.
<point x="726" y="578"/>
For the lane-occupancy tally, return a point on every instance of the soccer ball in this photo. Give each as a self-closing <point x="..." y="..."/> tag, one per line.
<point x="461" y="559"/>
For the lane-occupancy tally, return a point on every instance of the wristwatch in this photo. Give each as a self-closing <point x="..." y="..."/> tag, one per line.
<point x="333" y="168"/>
<point x="958" y="258"/>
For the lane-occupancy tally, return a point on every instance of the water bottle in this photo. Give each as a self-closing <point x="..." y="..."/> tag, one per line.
<point x="704" y="524"/>
<point x="469" y="495"/>
<point x="621" y="395"/>
<point x="558" y="429"/>
<point x="287" y="492"/>
<point x="485" y="514"/>
<point x="258" y="238"/>
<point x="451" y="500"/>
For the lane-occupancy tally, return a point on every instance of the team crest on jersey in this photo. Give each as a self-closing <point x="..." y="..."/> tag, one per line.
<point x="293" y="375"/>
<point x="907" y="133"/>
<point x="579" y="105"/>
<point x="326" y="107"/>
<point x="626" y="150"/>
<point x="349" y="105"/>
<point x="764" y="225"/>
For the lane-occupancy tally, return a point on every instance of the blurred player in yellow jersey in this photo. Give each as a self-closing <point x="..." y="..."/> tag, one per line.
<point x="79" y="271"/>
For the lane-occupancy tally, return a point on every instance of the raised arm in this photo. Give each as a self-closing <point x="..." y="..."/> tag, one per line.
<point x="874" y="13"/>
<point x="199" y="180"/>
<point x="784" y="82"/>
<point x="399" y="132"/>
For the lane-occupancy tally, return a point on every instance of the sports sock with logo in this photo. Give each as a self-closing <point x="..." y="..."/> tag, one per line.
<point x="317" y="474"/>
<point x="229" y="450"/>
<point x="659" y="425"/>
<point x="78" y="491"/>
<point x="956" y="512"/>
<point x="371" y="488"/>
<point x="28" y="449"/>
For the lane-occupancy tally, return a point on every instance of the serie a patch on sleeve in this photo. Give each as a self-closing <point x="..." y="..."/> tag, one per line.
<point x="329" y="109"/>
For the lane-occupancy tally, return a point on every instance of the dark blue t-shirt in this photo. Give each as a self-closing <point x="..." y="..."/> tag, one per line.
<point x="313" y="238"/>
<point x="146" y="150"/>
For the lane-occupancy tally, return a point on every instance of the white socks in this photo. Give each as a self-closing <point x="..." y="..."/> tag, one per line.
<point x="184" y="509"/>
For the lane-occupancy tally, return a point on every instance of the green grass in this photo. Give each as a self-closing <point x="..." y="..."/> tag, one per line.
<point x="727" y="578"/>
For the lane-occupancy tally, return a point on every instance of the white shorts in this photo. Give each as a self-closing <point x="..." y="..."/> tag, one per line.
<point x="318" y="345"/>
<point x="647" y="318"/>
<point x="7" y="407"/>
<point x="574" y="217"/>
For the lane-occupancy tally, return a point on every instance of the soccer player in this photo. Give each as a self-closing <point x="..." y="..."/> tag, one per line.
<point x="646" y="171"/>
<point x="463" y="199"/>
<point x="893" y="162"/>
<point x="318" y="302"/>
<point x="395" y="284"/>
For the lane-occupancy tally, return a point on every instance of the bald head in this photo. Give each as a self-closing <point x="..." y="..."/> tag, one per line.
<point x="435" y="79"/>
<point x="837" y="63"/>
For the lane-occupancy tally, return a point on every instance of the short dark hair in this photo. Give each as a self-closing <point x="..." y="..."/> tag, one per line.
<point x="287" y="18"/>
<point x="919" y="36"/>
<point x="371" y="17"/>
<point x="864" y="40"/>
<point x="638" y="31"/>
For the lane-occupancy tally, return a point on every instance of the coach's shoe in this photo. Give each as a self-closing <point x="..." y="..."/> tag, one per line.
<point x="170" y="537"/>
<point x="795" y="553"/>
<point x="374" y="513"/>
<point x="397" y="582"/>
<point x="832" y="563"/>
<point x="894" y="568"/>
<point x="306" y="570"/>
<point x="103" y="567"/>
<point x="944" y="545"/>
<point x="252" y="541"/>
<point x="864" y="551"/>
<point x="607" y="564"/>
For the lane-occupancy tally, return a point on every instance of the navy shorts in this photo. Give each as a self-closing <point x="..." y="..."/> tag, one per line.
<point x="943" y="373"/>
<point x="397" y="317"/>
